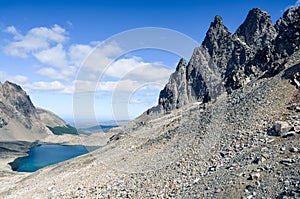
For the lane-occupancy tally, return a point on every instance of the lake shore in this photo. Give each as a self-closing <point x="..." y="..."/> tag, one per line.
<point x="10" y="150"/>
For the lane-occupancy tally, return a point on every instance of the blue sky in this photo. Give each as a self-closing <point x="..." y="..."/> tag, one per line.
<point x="43" y="45"/>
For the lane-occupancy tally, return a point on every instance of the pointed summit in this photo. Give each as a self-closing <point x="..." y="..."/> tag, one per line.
<point x="217" y="21"/>
<point x="181" y="63"/>
<point x="257" y="31"/>
<point x="215" y="34"/>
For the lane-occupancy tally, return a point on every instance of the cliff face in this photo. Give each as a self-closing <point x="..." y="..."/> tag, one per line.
<point x="226" y="61"/>
<point x="19" y="118"/>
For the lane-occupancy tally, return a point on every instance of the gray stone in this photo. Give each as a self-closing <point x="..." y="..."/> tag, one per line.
<point x="294" y="150"/>
<point x="288" y="134"/>
<point x="259" y="160"/>
<point x="254" y="176"/>
<point x="281" y="128"/>
<point x="287" y="161"/>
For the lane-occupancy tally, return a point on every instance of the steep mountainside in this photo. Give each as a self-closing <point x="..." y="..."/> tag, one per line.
<point x="226" y="61"/>
<point x="227" y="126"/>
<point x="19" y="119"/>
<point x="50" y="119"/>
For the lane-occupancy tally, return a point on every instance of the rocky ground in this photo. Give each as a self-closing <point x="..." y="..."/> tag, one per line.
<point x="244" y="145"/>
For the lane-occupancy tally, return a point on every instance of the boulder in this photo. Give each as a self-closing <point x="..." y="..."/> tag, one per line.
<point x="280" y="128"/>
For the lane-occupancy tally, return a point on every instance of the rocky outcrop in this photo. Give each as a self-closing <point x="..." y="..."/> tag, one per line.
<point x="226" y="61"/>
<point x="20" y="119"/>
<point x="288" y="39"/>
<point x="257" y="31"/>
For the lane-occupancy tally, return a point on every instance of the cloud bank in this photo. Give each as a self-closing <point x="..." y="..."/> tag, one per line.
<point x="58" y="63"/>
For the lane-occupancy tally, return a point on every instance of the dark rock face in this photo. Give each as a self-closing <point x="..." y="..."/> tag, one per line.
<point x="257" y="31"/>
<point x="174" y="95"/>
<point x="288" y="39"/>
<point x="226" y="61"/>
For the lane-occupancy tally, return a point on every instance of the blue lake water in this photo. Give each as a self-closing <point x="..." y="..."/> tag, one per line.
<point x="47" y="154"/>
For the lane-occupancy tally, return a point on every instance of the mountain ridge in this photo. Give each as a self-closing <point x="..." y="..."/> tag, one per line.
<point x="226" y="61"/>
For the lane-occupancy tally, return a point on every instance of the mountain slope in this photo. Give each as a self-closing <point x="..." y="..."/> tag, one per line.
<point x="20" y="119"/>
<point x="50" y="119"/>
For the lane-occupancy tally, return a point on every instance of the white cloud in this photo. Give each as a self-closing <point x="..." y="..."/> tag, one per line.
<point x="134" y="68"/>
<point x="40" y="86"/>
<point x="101" y="61"/>
<point x="128" y="74"/>
<point x="48" y="72"/>
<point x="55" y="56"/>
<point x="12" y="30"/>
<point x="55" y="34"/>
<point x="35" y="39"/>
<point x="45" y="86"/>
<point x="60" y="63"/>
<point x="63" y="74"/>
<point x="91" y="86"/>
<point x="78" y="53"/>
<point x="127" y="85"/>
<point x="19" y="79"/>
<point x="297" y="3"/>
<point x="52" y="86"/>
<point x="136" y="101"/>
<point x="119" y="86"/>
<point x="101" y="57"/>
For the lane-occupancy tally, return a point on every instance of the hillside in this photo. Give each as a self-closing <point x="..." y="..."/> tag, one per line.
<point x="20" y="119"/>
<point x="50" y="119"/>
<point x="226" y="125"/>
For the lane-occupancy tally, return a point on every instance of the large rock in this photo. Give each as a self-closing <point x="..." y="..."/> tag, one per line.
<point x="280" y="128"/>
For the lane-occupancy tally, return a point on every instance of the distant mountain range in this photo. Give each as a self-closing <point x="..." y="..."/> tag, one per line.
<point x="103" y="126"/>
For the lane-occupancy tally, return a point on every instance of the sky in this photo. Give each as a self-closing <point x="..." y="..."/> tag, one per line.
<point x="115" y="56"/>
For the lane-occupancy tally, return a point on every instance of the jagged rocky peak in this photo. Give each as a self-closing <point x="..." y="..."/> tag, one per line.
<point x="288" y="39"/>
<point x="257" y="31"/>
<point x="181" y="64"/>
<point x="226" y="62"/>
<point x="174" y="95"/>
<point x="216" y="32"/>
